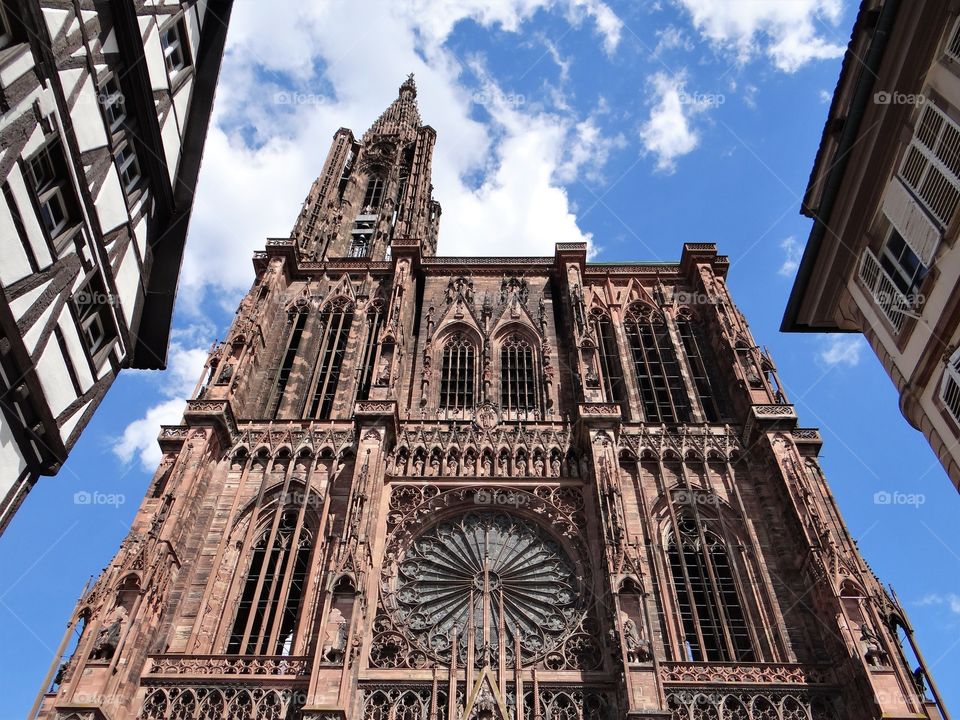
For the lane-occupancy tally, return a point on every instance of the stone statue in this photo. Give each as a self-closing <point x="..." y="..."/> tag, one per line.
<point x="335" y="638"/>
<point x="108" y="638"/>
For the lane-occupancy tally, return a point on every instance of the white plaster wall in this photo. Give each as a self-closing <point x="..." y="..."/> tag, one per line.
<point x="54" y="379"/>
<point x="128" y="283"/>
<point x="14" y="264"/>
<point x="86" y="114"/>
<point x="111" y="203"/>
<point x="153" y="53"/>
<point x="31" y="225"/>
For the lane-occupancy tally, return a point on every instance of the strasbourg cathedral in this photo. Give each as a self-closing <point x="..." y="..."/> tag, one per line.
<point x="415" y="487"/>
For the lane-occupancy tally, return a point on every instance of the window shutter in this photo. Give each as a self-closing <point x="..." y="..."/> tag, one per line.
<point x="953" y="44"/>
<point x="950" y="390"/>
<point x="931" y="165"/>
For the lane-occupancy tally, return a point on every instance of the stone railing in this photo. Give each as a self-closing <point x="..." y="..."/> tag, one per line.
<point x="743" y="673"/>
<point x="212" y="665"/>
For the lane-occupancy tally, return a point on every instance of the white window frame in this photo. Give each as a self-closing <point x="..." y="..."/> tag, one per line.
<point x="47" y="200"/>
<point x="914" y="282"/>
<point x="950" y="386"/>
<point x="112" y="98"/>
<point x="126" y="158"/>
<point x="173" y="48"/>
<point x="50" y="192"/>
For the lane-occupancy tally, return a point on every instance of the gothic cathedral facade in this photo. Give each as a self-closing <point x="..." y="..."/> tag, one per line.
<point x="415" y="487"/>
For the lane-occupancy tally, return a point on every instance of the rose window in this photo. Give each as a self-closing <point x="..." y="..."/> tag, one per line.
<point x="491" y="574"/>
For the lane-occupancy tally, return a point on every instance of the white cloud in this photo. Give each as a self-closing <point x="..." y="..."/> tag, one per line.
<point x="792" y="251"/>
<point x="499" y="180"/>
<point x="669" y="133"/>
<point x="949" y="600"/>
<point x="184" y="365"/>
<point x="841" y="349"/>
<point x="786" y="31"/>
<point x="825" y="96"/>
<point x="671" y="38"/>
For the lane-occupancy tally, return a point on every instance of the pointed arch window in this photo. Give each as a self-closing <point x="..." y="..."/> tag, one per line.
<point x="661" y="386"/>
<point x="713" y="622"/>
<point x="457" y="374"/>
<point x="272" y="596"/>
<point x="518" y="385"/>
<point x="296" y="322"/>
<point x="334" y="330"/>
<point x="367" y="359"/>
<point x="608" y="357"/>
<point x="696" y="350"/>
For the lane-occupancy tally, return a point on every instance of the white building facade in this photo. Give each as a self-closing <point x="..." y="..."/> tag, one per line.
<point x="105" y="108"/>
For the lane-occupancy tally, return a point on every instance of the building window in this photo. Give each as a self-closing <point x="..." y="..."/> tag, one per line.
<point x="297" y="320"/>
<point x="931" y="165"/>
<point x="128" y="166"/>
<point x="608" y="358"/>
<point x="662" y="392"/>
<point x="902" y="264"/>
<point x="374" y="318"/>
<point x="950" y="389"/>
<point x="174" y="47"/>
<point x="335" y="321"/>
<point x="518" y="386"/>
<point x="92" y="304"/>
<point x="361" y="236"/>
<point x="373" y="196"/>
<point x="457" y="374"/>
<point x="272" y="595"/>
<point x="713" y="623"/>
<point x="696" y="350"/>
<point x="47" y="172"/>
<point x="114" y="104"/>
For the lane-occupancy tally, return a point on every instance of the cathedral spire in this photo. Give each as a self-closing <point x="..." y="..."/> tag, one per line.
<point x="374" y="190"/>
<point x="402" y="116"/>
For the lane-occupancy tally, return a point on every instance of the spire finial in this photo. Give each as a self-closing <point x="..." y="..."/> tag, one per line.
<point x="409" y="86"/>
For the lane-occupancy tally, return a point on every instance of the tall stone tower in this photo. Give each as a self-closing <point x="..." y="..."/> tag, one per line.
<point x="434" y="488"/>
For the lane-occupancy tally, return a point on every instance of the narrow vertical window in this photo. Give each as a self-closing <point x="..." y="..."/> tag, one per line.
<point x="661" y="387"/>
<point x="609" y="359"/>
<point x="457" y="374"/>
<point x="695" y="348"/>
<point x="272" y="594"/>
<point x="518" y="386"/>
<point x="711" y="615"/>
<point x="297" y="320"/>
<point x="335" y="323"/>
<point x="174" y="49"/>
<point x="369" y="355"/>
<point x="373" y="195"/>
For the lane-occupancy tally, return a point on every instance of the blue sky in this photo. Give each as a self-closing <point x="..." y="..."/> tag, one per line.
<point x="634" y="126"/>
